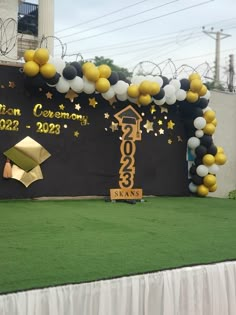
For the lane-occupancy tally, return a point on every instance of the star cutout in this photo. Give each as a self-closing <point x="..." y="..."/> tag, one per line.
<point x="169" y="141"/>
<point x="106" y="115"/>
<point x="71" y="95"/>
<point x="148" y="126"/>
<point x="49" y="95"/>
<point x="114" y="126"/>
<point x="170" y="124"/>
<point x="93" y="102"/>
<point x="160" y="122"/>
<point x="163" y="109"/>
<point x="161" y="131"/>
<point x="12" y="84"/>
<point x="77" y="107"/>
<point x="153" y="109"/>
<point x="112" y="100"/>
<point x="62" y="107"/>
<point x="179" y="139"/>
<point x="76" y="133"/>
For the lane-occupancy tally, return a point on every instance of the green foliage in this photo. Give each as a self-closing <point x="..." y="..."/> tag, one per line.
<point x="107" y="61"/>
<point x="232" y="194"/>
<point x="214" y="86"/>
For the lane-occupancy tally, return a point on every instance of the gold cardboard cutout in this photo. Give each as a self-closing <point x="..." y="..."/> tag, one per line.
<point x="26" y="178"/>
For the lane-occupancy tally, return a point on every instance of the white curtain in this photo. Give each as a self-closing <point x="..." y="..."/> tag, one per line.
<point x="201" y="290"/>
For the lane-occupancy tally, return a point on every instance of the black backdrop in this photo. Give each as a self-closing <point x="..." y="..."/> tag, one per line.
<point x="89" y="164"/>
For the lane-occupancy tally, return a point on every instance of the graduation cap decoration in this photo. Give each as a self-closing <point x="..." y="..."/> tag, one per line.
<point x="27" y="155"/>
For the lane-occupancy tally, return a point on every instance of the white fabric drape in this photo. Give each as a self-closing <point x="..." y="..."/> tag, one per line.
<point x="200" y="290"/>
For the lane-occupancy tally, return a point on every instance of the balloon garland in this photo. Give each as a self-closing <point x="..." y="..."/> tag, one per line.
<point x="190" y="94"/>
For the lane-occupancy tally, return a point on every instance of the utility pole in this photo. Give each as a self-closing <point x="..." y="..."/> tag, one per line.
<point x="217" y="36"/>
<point x="231" y="73"/>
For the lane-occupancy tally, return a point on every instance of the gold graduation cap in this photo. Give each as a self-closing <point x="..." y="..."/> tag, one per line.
<point x="27" y="155"/>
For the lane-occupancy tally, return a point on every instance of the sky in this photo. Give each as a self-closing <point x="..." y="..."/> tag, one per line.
<point x="146" y="33"/>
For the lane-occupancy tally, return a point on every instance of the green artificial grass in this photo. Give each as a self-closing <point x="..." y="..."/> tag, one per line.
<point x="47" y="243"/>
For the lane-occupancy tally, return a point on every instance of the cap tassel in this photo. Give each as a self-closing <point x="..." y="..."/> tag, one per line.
<point x="7" y="171"/>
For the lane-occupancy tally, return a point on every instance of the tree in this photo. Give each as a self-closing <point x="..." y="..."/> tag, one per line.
<point x="107" y="61"/>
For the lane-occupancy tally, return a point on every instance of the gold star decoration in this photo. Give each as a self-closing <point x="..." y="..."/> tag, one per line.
<point x="12" y="84"/>
<point x="153" y="109"/>
<point x="62" y="107"/>
<point x="170" y="124"/>
<point x="77" y="107"/>
<point x="49" y="95"/>
<point x="114" y="126"/>
<point x="160" y="122"/>
<point x="163" y="109"/>
<point x="169" y="141"/>
<point x="106" y="115"/>
<point x="179" y="139"/>
<point x="71" y="95"/>
<point x="112" y="100"/>
<point x="76" y="133"/>
<point x="161" y="131"/>
<point x="93" y="102"/>
<point x="148" y="126"/>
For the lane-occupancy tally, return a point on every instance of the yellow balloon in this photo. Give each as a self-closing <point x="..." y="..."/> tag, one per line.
<point x="87" y="65"/>
<point x="203" y="91"/>
<point x="48" y="70"/>
<point x="196" y="85"/>
<point x="220" y="158"/>
<point x="144" y="87"/>
<point x="102" y="85"/>
<point x="191" y="97"/>
<point x="41" y="56"/>
<point x="154" y="88"/>
<point x="133" y="91"/>
<point x="209" y="129"/>
<point x="220" y="150"/>
<point x="104" y="71"/>
<point x="209" y="180"/>
<point x="144" y="99"/>
<point x="213" y="188"/>
<point x="209" y="115"/>
<point x="92" y="73"/>
<point x="208" y="159"/>
<point x="202" y="190"/>
<point x="31" y="68"/>
<point x="194" y="76"/>
<point x="29" y="55"/>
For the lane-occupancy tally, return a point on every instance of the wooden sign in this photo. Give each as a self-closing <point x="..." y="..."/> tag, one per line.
<point x="129" y="120"/>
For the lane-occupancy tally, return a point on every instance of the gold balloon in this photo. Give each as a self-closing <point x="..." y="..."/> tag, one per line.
<point x="102" y="85"/>
<point x="41" y="56"/>
<point x="220" y="158"/>
<point x="104" y="71"/>
<point x="194" y="76"/>
<point x="92" y="73"/>
<point x="144" y="99"/>
<point x="48" y="70"/>
<point x="144" y="87"/>
<point x="209" y="115"/>
<point x="191" y="97"/>
<point x="29" y="55"/>
<point x="203" y="91"/>
<point x="220" y="150"/>
<point x="87" y="65"/>
<point x="202" y="190"/>
<point x="196" y="85"/>
<point x="31" y="68"/>
<point x="209" y="129"/>
<point x="214" y="122"/>
<point x="154" y="88"/>
<point x="133" y="91"/>
<point x="208" y="159"/>
<point x="209" y="180"/>
<point x="213" y="188"/>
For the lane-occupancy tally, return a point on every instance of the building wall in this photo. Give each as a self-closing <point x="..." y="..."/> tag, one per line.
<point x="224" y="104"/>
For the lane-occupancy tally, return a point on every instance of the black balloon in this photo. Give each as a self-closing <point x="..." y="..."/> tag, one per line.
<point x="69" y="72"/>
<point x="197" y="180"/>
<point x="192" y="170"/>
<point x="159" y="95"/>
<point x="121" y="76"/>
<point x="38" y="81"/>
<point x="206" y="140"/>
<point x="212" y="149"/>
<point x="54" y="80"/>
<point x="202" y="103"/>
<point x="198" y="161"/>
<point x="184" y="84"/>
<point x="200" y="151"/>
<point x="78" y="68"/>
<point x="196" y="112"/>
<point x="165" y="80"/>
<point x="113" y="78"/>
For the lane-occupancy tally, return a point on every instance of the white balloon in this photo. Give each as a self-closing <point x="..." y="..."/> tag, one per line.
<point x="158" y="79"/>
<point x="171" y="100"/>
<point x="109" y="94"/>
<point x="62" y="85"/>
<point x="120" y="87"/>
<point x="192" y="187"/>
<point x="160" y="102"/>
<point x="132" y="99"/>
<point x="77" y="84"/>
<point x="213" y="169"/>
<point x="206" y="109"/>
<point x="122" y="97"/>
<point x="137" y="79"/>
<point x="207" y="95"/>
<point x="175" y="83"/>
<point x="149" y="77"/>
<point x="59" y="64"/>
<point x="199" y="122"/>
<point x="202" y="170"/>
<point x="89" y="87"/>
<point x="199" y="133"/>
<point x="169" y="90"/>
<point x="181" y="95"/>
<point x="193" y="142"/>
